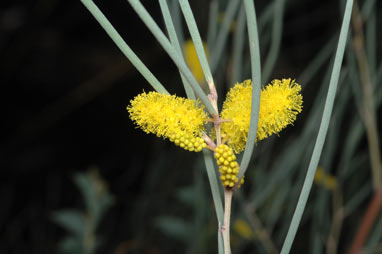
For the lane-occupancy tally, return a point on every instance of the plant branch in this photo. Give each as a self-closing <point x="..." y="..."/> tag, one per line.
<point x="227" y="214"/>
<point x="172" y="52"/>
<point x="126" y="50"/>
<point x="195" y="35"/>
<point x="337" y="220"/>
<point x="175" y="42"/>
<point x="368" y="110"/>
<point x="257" y="226"/>
<point x="367" y="222"/>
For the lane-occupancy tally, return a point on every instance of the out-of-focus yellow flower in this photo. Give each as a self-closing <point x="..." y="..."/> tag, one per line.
<point x="280" y="102"/>
<point x="320" y="175"/>
<point x="330" y="182"/>
<point x="242" y="228"/>
<point x="169" y="116"/>
<point x="192" y="59"/>
<point x="324" y="179"/>
<point x="232" y="27"/>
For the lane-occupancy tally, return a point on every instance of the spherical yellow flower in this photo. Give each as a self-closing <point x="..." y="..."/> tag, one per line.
<point x="280" y="102"/>
<point x="168" y="116"/>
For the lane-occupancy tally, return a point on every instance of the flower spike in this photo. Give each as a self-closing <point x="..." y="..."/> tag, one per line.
<point x="179" y="119"/>
<point x="280" y="102"/>
<point x="228" y="166"/>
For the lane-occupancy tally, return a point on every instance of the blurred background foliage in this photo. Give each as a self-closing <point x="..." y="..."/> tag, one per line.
<point x="77" y="177"/>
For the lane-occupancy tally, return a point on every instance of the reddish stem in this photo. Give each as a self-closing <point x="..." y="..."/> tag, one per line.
<point x="375" y="206"/>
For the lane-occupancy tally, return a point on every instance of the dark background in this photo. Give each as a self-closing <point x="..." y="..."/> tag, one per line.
<point x="65" y="88"/>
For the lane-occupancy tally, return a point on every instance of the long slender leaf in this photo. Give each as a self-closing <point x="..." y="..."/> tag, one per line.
<point x="212" y="23"/>
<point x="278" y="14"/>
<point x="221" y="40"/>
<point x="371" y="39"/>
<point x="312" y="68"/>
<point x="286" y="164"/>
<point x="215" y="192"/>
<point x="322" y="131"/>
<point x="195" y="35"/>
<point x="238" y="45"/>
<point x="256" y="84"/>
<point x="171" y="51"/>
<point x="175" y="10"/>
<point x="175" y="42"/>
<point x="126" y="50"/>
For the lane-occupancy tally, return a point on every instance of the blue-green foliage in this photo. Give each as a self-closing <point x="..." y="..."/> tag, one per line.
<point x="81" y="225"/>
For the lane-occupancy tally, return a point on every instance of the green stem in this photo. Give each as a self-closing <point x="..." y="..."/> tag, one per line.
<point x="195" y="35"/>
<point x="221" y="39"/>
<point x="215" y="192"/>
<point x="172" y="52"/>
<point x="175" y="42"/>
<point x="256" y="84"/>
<point x="317" y="62"/>
<point x="238" y="45"/>
<point x="175" y="10"/>
<point x="278" y="11"/>
<point x="212" y="24"/>
<point x="126" y="50"/>
<point x="193" y="29"/>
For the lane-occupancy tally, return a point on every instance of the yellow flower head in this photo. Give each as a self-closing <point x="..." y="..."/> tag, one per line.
<point x="280" y="102"/>
<point x="192" y="59"/>
<point x="228" y="166"/>
<point x="168" y="116"/>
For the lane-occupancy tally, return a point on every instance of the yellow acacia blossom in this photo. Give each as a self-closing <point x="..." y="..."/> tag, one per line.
<point x="324" y="179"/>
<point x="182" y="120"/>
<point x="243" y="229"/>
<point x="228" y="166"/>
<point x="192" y="59"/>
<point x="280" y="102"/>
<point x="179" y="119"/>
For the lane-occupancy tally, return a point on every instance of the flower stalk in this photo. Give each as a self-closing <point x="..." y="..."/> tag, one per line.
<point x="227" y="217"/>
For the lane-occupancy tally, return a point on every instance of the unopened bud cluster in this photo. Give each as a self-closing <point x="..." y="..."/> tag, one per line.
<point x="228" y="166"/>
<point x="187" y="142"/>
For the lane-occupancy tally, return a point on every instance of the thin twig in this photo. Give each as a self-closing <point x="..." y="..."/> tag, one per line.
<point x="338" y="217"/>
<point x="369" y="119"/>
<point x="208" y="141"/>
<point x="259" y="229"/>
<point x="369" y="114"/>
<point x="367" y="223"/>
